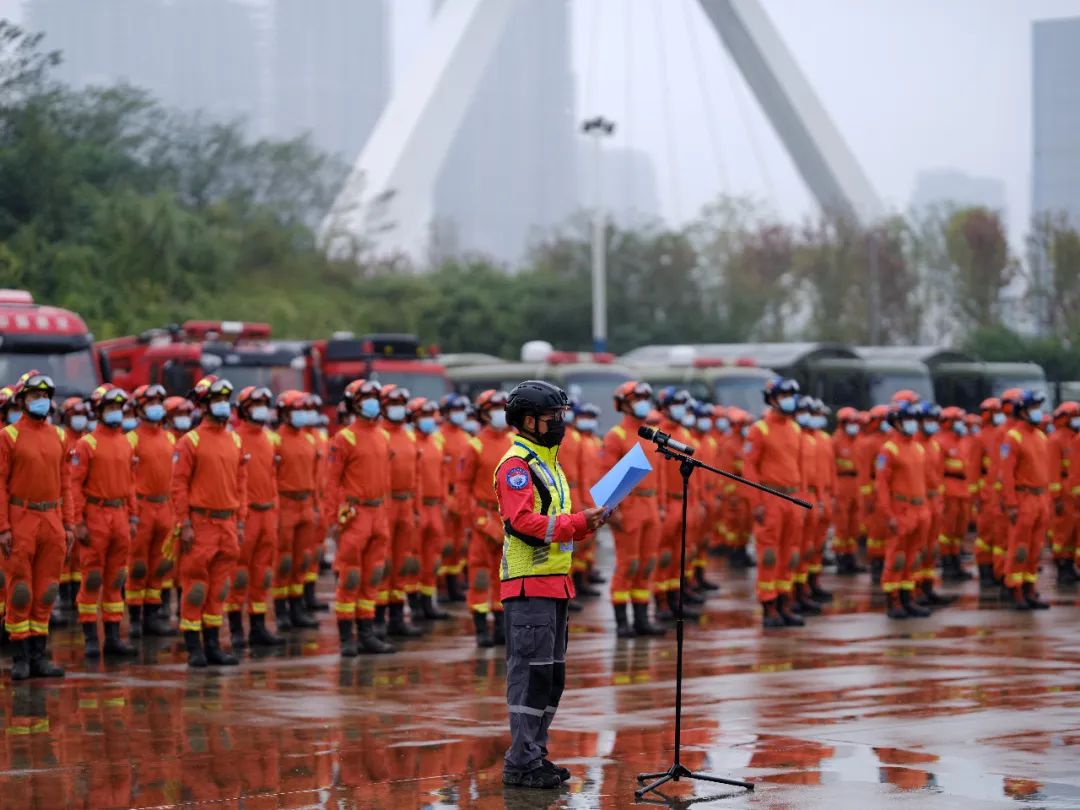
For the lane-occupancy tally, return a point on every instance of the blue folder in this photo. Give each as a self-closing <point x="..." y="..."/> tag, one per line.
<point x="621" y="479"/>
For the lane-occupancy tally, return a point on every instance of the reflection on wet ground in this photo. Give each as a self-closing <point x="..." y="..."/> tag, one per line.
<point x="973" y="707"/>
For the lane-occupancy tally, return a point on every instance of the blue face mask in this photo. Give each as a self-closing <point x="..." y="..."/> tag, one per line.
<point x="723" y="424"/>
<point x="369" y="408"/>
<point x="1074" y="423"/>
<point x="498" y="419"/>
<point x="182" y="423"/>
<point x="586" y="425"/>
<point x="677" y="412"/>
<point x="998" y="419"/>
<point x="959" y="428"/>
<point x="396" y="413"/>
<point x="787" y="405"/>
<point x="1035" y="415"/>
<point x="641" y="408"/>
<point x="472" y="426"/>
<point x="930" y="428"/>
<point x="426" y="425"/>
<point x="689" y="420"/>
<point x="154" y="413"/>
<point x="298" y="419"/>
<point x="851" y="429"/>
<point x="803" y="419"/>
<point x="78" y="423"/>
<point x="704" y="425"/>
<point x="13" y="416"/>
<point x="112" y="418"/>
<point x="129" y="423"/>
<point x="260" y="413"/>
<point x="39" y="407"/>
<point x="220" y="410"/>
<point x="885" y="427"/>
<point x="457" y="418"/>
<point x="909" y="426"/>
<point x="820" y="422"/>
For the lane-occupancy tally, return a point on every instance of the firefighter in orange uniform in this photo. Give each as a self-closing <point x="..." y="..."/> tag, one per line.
<point x="706" y="439"/>
<point x="36" y="520"/>
<point x="900" y="490"/>
<point x="934" y="466"/>
<point x="875" y="433"/>
<point x="357" y="493"/>
<point x="803" y="540"/>
<point x="255" y="564"/>
<point x="179" y="416"/>
<point x="1061" y="452"/>
<point x="431" y="494"/>
<point x="317" y="533"/>
<point x="825" y="473"/>
<point x="635" y="524"/>
<point x="210" y="497"/>
<point x="773" y="457"/>
<point x="454" y="409"/>
<point x="150" y="560"/>
<point x="738" y="521"/>
<point x="989" y="542"/>
<point x="1025" y="494"/>
<point x="959" y="478"/>
<point x="485" y="546"/>
<point x="75" y="419"/>
<point x="297" y="462"/>
<point x="103" y="495"/>
<point x="403" y="562"/>
<point x="587" y="423"/>
<point x="846" y="517"/>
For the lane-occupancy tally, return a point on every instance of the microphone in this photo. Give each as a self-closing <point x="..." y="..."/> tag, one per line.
<point x="664" y="440"/>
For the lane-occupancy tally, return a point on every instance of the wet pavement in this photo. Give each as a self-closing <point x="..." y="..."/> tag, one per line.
<point x="974" y="707"/>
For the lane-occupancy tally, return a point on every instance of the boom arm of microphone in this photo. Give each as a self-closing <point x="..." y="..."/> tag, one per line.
<point x="677" y="450"/>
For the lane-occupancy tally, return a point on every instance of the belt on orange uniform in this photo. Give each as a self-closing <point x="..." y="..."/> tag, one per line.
<point x="1031" y="490"/>
<point x="402" y="495"/>
<point x="432" y="501"/>
<point x="932" y="494"/>
<point x="216" y="514"/>
<point x="260" y="507"/>
<point x="370" y="502"/>
<point x="152" y="498"/>
<point x="778" y="488"/>
<point x="644" y="493"/>
<point x="298" y="495"/>
<point x="846" y="473"/>
<point x="676" y="496"/>
<point x="906" y="499"/>
<point x="959" y="475"/>
<point x="491" y="506"/>
<point x="34" y="506"/>
<point x="110" y="503"/>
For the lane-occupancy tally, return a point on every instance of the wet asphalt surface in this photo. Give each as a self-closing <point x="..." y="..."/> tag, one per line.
<point x="976" y="706"/>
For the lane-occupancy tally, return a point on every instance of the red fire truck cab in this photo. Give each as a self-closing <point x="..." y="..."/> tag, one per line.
<point x="388" y="358"/>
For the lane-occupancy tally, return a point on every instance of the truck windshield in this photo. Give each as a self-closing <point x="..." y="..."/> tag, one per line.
<point x="276" y="378"/>
<point x="73" y="372"/>
<point x="740" y="392"/>
<point x="427" y="384"/>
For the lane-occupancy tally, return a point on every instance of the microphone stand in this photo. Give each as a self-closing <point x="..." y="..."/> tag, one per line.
<point x="677" y="771"/>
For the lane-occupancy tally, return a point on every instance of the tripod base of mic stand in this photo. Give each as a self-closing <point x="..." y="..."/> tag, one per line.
<point x="679" y="771"/>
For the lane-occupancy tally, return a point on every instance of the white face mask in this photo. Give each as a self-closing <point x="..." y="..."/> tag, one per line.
<point x="851" y="429"/>
<point x="498" y="419"/>
<point x="745" y="432"/>
<point x="998" y="419"/>
<point x="909" y="426"/>
<point x="1074" y="423"/>
<point x="586" y="425"/>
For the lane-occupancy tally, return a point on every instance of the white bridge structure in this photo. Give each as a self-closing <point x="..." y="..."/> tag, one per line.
<point x="386" y="204"/>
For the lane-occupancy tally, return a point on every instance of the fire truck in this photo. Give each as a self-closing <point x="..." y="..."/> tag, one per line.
<point x="177" y="356"/>
<point x="399" y="359"/>
<point x="54" y="341"/>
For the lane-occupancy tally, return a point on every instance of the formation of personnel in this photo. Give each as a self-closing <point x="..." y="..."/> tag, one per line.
<point x="114" y="504"/>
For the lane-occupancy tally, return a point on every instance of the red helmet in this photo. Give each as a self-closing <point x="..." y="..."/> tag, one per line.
<point x="107" y="394"/>
<point x="905" y="395"/>
<point x="971" y="419"/>
<point x="145" y="393"/>
<point x="1067" y="410"/>
<point x="254" y="393"/>
<point x="878" y="413"/>
<point x="490" y="399"/>
<point x="292" y="400"/>
<point x="952" y="413"/>
<point x="847" y="415"/>
<point x="632" y="389"/>
<point x="174" y="406"/>
<point x="419" y="406"/>
<point x="362" y="389"/>
<point x="737" y="416"/>
<point x="990" y="404"/>
<point x="394" y="393"/>
<point x="34" y="380"/>
<point x="71" y="406"/>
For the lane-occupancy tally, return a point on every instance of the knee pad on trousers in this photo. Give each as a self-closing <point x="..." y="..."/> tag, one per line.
<point x="305" y="560"/>
<point x="49" y="596"/>
<point x="919" y="557"/>
<point x="665" y="559"/>
<point x="448" y="549"/>
<point x="20" y="595"/>
<point x="481" y="580"/>
<point x="899" y="562"/>
<point x="3" y="580"/>
<point x="768" y="557"/>
<point x="196" y="594"/>
<point x="268" y="579"/>
<point x="377" y="575"/>
<point x="793" y="560"/>
<point x="650" y="566"/>
<point x="164" y="567"/>
<point x="352" y="580"/>
<point x="284" y="566"/>
<point x="121" y="578"/>
<point x="632" y="568"/>
<point x="223" y="594"/>
<point x="138" y="569"/>
<point x="411" y="566"/>
<point x="1021" y="554"/>
<point x="241" y="580"/>
<point x="93" y="580"/>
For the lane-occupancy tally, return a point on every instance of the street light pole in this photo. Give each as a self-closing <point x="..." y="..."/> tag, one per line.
<point x="597" y="128"/>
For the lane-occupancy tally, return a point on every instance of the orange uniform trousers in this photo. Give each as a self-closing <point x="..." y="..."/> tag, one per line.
<point x="485" y="557"/>
<point x="876" y="528"/>
<point x="453" y="562"/>
<point x="33" y="570"/>
<point x="403" y="565"/>
<point x="433" y="543"/>
<point x="846" y="524"/>
<point x="904" y="547"/>
<point x="104" y="563"/>
<point x="954" y="523"/>
<point x="778" y="540"/>
<point x="666" y="576"/>
<point x="295" y="547"/>
<point x="637" y="542"/>
<point x="1026" y="538"/>
<point x="936" y="508"/>
<point x="148" y="563"/>
<point x="360" y="561"/>
<point x="206" y="570"/>
<point x="1063" y="529"/>
<point x="255" y="561"/>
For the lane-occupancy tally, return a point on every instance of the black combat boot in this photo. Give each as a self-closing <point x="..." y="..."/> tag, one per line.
<point x="933" y="598"/>
<point x="845" y="565"/>
<point x="877" y="565"/>
<point x="498" y="634"/>
<point x="1032" y="598"/>
<point x="345" y="636"/>
<point x="622" y="624"/>
<point x="281" y="615"/>
<point x="689" y="614"/>
<point x="663" y="612"/>
<point x="398" y="625"/>
<point x="429" y="610"/>
<point x="311" y="603"/>
<point x="704" y="583"/>
<point x="40" y="665"/>
<point x="817" y="593"/>
<point x="582" y="586"/>
<point x="135" y="625"/>
<point x="454" y="592"/>
<point x="91" y="645"/>
<point x="483" y="636"/>
<point x="236" y="630"/>
<point x="986" y="576"/>
<point x="801" y="602"/>
<point x="1066" y="573"/>
<point x="783" y="607"/>
<point x="770" y="616"/>
<point x="379" y="624"/>
<point x="642" y="625"/>
<point x="20" y="659"/>
<point x="195" y="655"/>
<point x="594" y="577"/>
<point x="416" y="611"/>
<point x="894" y="609"/>
<point x="299" y="617"/>
<point x="369" y="642"/>
<point x="212" y="647"/>
<point x="114" y="645"/>
<point x="907" y="599"/>
<point x="156" y="622"/>
<point x="260" y="635"/>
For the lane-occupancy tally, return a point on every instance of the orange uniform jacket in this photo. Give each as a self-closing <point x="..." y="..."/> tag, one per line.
<point x="33" y="467"/>
<point x="901" y="473"/>
<point x="730" y="458"/>
<point x="773" y="454"/>
<point x="1058" y="461"/>
<point x="1023" y="461"/>
<point x="489" y="446"/>
<point x="672" y="489"/>
<point x="956" y="464"/>
<point x="298" y="460"/>
<point x="570" y="461"/>
<point x="826" y="463"/>
<point x="592" y="470"/>
<point x="990" y="442"/>
<point x="456" y="449"/>
<point x="869" y="446"/>
<point x="358" y="465"/>
<point x="432" y="470"/>
<point x="210" y="472"/>
<point x="259" y="444"/>
<point x="103" y="467"/>
<point x="153" y="449"/>
<point x="934" y="464"/>
<point x="404" y="459"/>
<point x="845" y="452"/>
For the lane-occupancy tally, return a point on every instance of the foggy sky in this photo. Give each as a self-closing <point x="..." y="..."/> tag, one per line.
<point x="911" y="84"/>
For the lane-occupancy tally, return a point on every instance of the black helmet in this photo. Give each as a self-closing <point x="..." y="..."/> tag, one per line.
<point x="533" y="397"/>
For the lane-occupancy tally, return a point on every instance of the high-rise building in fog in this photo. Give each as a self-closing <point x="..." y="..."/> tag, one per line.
<point x="1056" y="100"/>
<point x="511" y="169"/>
<point x="330" y="71"/>
<point x="959" y="188"/>
<point x="627" y="188"/>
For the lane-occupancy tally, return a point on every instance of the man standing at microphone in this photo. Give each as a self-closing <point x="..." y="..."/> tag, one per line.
<point x="536" y="586"/>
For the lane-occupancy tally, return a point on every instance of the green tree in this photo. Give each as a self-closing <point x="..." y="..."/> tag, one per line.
<point x="979" y="253"/>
